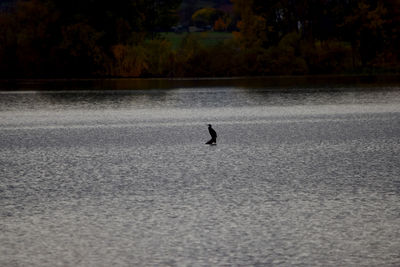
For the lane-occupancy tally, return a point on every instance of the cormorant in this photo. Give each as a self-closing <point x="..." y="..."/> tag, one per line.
<point x="213" y="134"/>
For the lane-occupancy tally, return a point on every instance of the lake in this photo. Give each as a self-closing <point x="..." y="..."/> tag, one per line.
<point x="116" y="172"/>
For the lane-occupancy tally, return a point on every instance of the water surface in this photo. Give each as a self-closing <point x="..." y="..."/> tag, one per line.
<point x="303" y="175"/>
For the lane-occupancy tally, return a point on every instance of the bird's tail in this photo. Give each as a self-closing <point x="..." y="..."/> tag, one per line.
<point x="212" y="141"/>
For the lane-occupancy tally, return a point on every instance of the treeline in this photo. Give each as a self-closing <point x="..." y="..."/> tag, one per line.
<point x="321" y="36"/>
<point x="81" y="38"/>
<point x="77" y="38"/>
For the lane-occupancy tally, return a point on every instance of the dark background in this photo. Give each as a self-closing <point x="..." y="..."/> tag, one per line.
<point x="87" y="38"/>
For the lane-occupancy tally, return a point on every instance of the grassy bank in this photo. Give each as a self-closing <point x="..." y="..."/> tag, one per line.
<point x="206" y="39"/>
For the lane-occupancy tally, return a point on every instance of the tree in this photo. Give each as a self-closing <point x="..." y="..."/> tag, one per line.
<point x="220" y="25"/>
<point x="206" y="16"/>
<point x="252" y="28"/>
<point x="120" y="17"/>
<point x="8" y="41"/>
<point x="83" y="55"/>
<point x="364" y="29"/>
<point x="35" y="35"/>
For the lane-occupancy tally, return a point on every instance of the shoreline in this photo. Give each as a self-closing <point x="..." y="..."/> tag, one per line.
<point x="202" y="78"/>
<point x="120" y="83"/>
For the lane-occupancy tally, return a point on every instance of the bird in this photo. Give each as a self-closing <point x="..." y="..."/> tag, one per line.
<point x="213" y="134"/>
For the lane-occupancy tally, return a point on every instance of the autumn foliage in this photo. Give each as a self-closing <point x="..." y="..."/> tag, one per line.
<point x="48" y="38"/>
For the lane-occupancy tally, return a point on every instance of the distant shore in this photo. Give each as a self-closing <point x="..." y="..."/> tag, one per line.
<point x="300" y="81"/>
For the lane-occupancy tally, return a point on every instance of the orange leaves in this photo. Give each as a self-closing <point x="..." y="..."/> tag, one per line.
<point x="129" y="61"/>
<point x="151" y="58"/>
<point x="220" y="25"/>
<point x="252" y="32"/>
<point x="252" y="28"/>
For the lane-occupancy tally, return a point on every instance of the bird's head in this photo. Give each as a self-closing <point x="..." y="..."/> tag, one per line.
<point x="209" y="125"/>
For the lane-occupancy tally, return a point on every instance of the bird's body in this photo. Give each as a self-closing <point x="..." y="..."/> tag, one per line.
<point x="213" y="134"/>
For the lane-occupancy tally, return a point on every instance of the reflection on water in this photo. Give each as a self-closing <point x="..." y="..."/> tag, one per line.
<point x="281" y="83"/>
<point x="123" y="94"/>
<point x="301" y="176"/>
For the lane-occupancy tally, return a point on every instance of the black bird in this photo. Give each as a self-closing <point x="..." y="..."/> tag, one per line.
<point x="213" y="134"/>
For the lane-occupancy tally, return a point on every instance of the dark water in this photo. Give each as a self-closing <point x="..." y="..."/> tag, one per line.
<point x="304" y="174"/>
